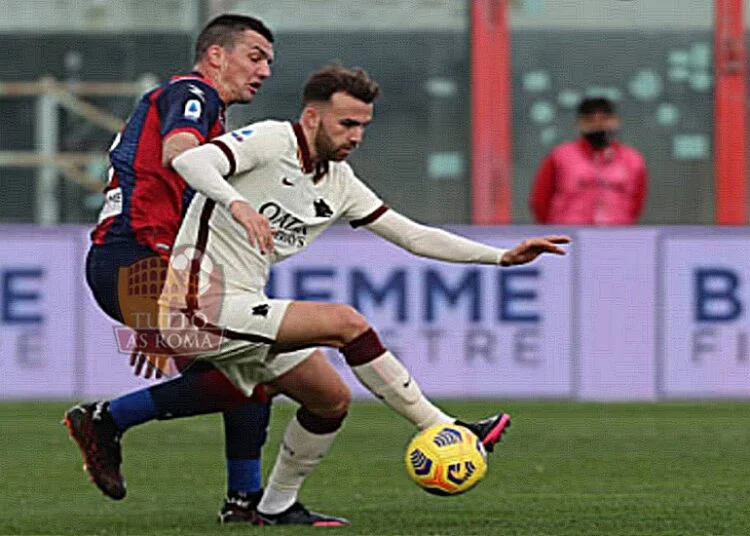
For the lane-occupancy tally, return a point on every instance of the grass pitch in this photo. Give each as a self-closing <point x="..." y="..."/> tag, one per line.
<point x="564" y="469"/>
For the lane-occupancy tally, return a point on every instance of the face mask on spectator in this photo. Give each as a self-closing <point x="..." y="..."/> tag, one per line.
<point x="599" y="139"/>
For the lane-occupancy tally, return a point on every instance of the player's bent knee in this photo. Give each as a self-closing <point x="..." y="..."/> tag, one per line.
<point x="343" y="400"/>
<point x="336" y="402"/>
<point x="351" y="324"/>
<point x="333" y="403"/>
<point x="325" y="414"/>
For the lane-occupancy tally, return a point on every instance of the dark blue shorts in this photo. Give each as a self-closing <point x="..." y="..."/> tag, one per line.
<point x="103" y="265"/>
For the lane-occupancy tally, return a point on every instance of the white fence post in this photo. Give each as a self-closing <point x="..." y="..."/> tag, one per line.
<point x="47" y="143"/>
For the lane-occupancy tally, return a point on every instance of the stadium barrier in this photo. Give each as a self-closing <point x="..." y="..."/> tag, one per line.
<point x="645" y="313"/>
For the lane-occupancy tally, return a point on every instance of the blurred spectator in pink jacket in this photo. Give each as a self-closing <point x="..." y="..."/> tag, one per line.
<point x="593" y="180"/>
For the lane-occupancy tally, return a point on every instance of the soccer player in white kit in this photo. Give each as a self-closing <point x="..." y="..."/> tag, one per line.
<point x="266" y="191"/>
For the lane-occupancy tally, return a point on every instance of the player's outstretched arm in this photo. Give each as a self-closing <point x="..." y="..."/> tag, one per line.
<point x="530" y="249"/>
<point x="439" y="244"/>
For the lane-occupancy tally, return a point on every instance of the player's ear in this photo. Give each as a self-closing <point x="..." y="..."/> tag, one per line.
<point x="215" y="56"/>
<point x="311" y="116"/>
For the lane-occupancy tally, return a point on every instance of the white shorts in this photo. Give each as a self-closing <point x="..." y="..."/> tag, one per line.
<point x="248" y="325"/>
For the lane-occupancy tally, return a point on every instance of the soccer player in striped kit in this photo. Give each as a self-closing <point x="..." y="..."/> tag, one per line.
<point x="145" y="203"/>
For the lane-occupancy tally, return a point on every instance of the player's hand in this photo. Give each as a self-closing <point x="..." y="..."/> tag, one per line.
<point x="257" y="226"/>
<point x="149" y="365"/>
<point x="530" y="249"/>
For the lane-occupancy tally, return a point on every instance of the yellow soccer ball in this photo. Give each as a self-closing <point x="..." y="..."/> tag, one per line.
<point x="446" y="459"/>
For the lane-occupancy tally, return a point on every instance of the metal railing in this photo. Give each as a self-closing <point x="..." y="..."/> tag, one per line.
<point x="51" y="97"/>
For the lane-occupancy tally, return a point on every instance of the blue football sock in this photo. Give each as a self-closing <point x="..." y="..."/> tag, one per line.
<point x="245" y="430"/>
<point x="132" y="409"/>
<point x="244" y="475"/>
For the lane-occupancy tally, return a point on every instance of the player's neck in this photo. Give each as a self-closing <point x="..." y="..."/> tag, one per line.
<point x="213" y="78"/>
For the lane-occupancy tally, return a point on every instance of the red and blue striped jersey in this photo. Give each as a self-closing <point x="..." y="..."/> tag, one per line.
<point x="144" y="201"/>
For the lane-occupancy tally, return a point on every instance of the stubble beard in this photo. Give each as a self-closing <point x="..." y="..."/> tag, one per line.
<point x="325" y="148"/>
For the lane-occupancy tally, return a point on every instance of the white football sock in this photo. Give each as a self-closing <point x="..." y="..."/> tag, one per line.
<point x="299" y="454"/>
<point x="387" y="379"/>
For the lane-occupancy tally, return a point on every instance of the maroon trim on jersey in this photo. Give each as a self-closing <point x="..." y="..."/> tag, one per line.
<point x="191" y="299"/>
<point x="303" y="150"/>
<point x="371" y="217"/>
<point x="195" y="132"/>
<point x="198" y="322"/>
<point x="247" y="337"/>
<point x="321" y="170"/>
<point x="303" y="154"/>
<point x="229" y="154"/>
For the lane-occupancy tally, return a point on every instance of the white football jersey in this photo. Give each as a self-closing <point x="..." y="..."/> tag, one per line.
<point x="270" y="166"/>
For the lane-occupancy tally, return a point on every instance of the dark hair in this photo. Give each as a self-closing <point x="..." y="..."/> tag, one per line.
<point x="223" y="29"/>
<point x="334" y="78"/>
<point x="593" y="105"/>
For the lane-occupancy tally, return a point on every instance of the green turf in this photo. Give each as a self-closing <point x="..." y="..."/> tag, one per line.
<point x="565" y="469"/>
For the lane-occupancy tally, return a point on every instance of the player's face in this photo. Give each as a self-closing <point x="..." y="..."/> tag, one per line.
<point x="342" y="126"/>
<point x="245" y="67"/>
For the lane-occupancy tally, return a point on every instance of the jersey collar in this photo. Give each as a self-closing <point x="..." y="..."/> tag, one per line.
<point x="194" y="75"/>
<point x="303" y="155"/>
<point x="203" y="78"/>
